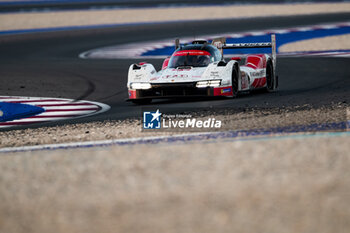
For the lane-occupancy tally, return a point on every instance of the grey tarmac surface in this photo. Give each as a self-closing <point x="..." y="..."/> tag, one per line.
<point x="47" y="64"/>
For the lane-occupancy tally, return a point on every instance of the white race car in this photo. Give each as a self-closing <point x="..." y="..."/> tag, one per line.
<point x="199" y="69"/>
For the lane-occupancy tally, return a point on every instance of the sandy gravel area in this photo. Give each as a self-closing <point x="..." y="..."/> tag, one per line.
<point x="321" y="44"/>
<point x="16" y="21"/>
<point x="232" y="119"/>
<point x="280" y="185"/>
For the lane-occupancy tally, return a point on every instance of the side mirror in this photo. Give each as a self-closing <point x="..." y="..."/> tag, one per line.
<point x="165" y="63"/>
<point x="177" y="43"/>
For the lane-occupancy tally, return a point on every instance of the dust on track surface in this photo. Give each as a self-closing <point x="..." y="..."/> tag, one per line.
<point x="35" y="6"/>
<point x="319" y="44"/>
<point x="22" y="21"/>
<point x="278" y="185"/>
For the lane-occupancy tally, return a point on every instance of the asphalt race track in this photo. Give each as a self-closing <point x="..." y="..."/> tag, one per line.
<point x="47" y="65"/>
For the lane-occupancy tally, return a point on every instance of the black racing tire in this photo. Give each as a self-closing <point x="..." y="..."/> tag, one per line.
<point x="235" y="81"/>
<point x="270" y="83"/>
<point x="141" y="101"/>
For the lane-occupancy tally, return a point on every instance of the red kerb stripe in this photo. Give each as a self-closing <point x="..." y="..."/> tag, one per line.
<point x="68" y="110"/>
<point x="31" y="101"/>
<point x="56" y="105"/>
<point x="21" y="123"/>
<point x="54" y="116"/>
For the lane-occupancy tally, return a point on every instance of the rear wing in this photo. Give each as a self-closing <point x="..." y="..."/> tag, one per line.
<point x="220" y="43"/>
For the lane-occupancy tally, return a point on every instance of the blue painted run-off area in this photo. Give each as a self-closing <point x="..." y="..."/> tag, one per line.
<point x="281" y="39"/>
<point x="12" y="111"/>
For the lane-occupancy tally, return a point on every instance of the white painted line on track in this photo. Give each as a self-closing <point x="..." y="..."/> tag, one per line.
<point x="93" y="143"/>
<point x="225" y="136"/>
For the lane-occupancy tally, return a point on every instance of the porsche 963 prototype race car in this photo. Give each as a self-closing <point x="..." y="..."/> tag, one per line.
<point x="199" y="69"/>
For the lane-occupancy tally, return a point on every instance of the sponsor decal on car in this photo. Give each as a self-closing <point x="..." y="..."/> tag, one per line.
<point x="214" y="74"/>
<point x="258" y="73"/>
<point x="225" y="90"/>
<point x="138" y="77"/>
<point x="175" y="76"/>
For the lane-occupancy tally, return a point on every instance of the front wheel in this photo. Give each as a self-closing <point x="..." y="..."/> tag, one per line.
<point x="269" y="77"/>
<point x="234" y="81"/>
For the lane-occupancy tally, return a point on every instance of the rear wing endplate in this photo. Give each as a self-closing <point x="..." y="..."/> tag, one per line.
<point x="220" y="43"/>
<point x="273" y="47"/>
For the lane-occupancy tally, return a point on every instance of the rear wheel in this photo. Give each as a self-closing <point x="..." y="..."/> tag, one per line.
<point x="142" y="101"/>
<point x="269" y="77"/>
<point x="234" y="81"/>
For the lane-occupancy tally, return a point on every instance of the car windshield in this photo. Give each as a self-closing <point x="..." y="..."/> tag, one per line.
<point x="193" y="58"/>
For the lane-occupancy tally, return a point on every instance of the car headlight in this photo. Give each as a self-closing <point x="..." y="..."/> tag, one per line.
<point x="209" y="83"/>
<point x="142" y="86"/>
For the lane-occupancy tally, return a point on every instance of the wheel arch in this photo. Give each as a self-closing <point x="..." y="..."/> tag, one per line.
<point x="143" y="72"/>
<point x="234" y="67"/>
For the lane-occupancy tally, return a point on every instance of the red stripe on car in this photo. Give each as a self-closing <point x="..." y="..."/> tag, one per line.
<point x="191" y="52"/>
<point x="223" y="91"/>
